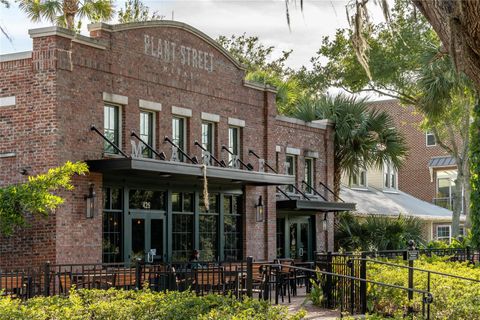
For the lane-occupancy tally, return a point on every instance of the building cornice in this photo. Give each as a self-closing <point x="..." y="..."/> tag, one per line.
<point x="69" y="34"/>
<point x="319" y="124"/>
<point x="16" y="56"/>
<point x="167" y="24"/>
<point x="258" y="86"/>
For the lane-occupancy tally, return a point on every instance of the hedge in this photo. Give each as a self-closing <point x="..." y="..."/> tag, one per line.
<point x="452" y="298"/>
<point x="140" y="305"/>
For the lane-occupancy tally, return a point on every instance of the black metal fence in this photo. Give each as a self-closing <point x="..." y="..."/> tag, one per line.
<point x="202" y="277"/>
<point x="262" y="279"/>
<point x="343" y="276"/>
<point x="455" y="254"/>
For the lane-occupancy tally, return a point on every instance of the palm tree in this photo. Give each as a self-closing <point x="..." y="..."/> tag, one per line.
<point x="377" y="232"/>
<point x="363" y="137"/>
<point x="288" y="88"/>
<point x="64" y="12"/>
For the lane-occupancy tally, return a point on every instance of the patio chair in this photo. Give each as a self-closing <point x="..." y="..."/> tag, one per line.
<point x="13" y="284"/>
<point x="160" y="277"/>
<point x="209" y="280"/>
<point x="125" y="278"/>
<point x="234" y="276"/>
<point x="64" y="282"/>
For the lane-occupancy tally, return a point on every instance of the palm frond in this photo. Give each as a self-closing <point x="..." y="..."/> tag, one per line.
<point x="363" y="137"/>
<point x="36" y="9"/>
<point x="96" y="10"/>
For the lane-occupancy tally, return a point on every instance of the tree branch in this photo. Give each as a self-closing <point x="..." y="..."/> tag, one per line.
<point x="440" y="142"/>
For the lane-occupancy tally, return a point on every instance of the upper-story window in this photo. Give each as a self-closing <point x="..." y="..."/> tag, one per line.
<point x="291" y="170"/>
<point x="147" y="129"/>
<point x="179" y="133"/>
<point x="309" y="177"/>
<point x="443" y="233"/>
<point x="389" y="175"/>
<point x="208" y="136"/>
<point x="444" y="187"/>
<point x="111" y="127"/>
<point x="430" y="139"/>
<point x="359" y="180"/>
<point x="233" y="144"/>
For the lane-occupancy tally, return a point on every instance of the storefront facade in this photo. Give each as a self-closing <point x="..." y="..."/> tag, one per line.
<point x="164" y="118"/>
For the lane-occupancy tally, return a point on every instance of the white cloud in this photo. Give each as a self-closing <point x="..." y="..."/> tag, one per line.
<point x="266" y="19"/>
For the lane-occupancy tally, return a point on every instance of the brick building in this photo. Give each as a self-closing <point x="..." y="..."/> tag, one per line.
<point x="429" y="170"/>
<point x="187" y="103"/>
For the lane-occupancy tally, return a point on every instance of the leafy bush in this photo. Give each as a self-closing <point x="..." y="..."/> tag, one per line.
<point x="377" y="232"/>
<point x="452" y="298"/>
<point x="460" y="243"/>
<point x="316" y="291"/>
<point x="140" y="305"/>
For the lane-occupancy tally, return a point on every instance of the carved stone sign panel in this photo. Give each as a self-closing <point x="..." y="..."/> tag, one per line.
<point x="177" y="54"/>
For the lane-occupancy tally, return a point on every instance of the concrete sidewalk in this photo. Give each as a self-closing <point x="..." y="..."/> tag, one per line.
<point x="313" y="312"/>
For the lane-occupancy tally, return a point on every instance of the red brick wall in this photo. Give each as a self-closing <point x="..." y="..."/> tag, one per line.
<point x="306" y="138"/>
<point x="60" y="94"/>
<point x="30" y="130"/>
<point x="414" y="176"/>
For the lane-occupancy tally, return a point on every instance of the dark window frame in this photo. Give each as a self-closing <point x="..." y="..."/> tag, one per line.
<point x="107" y="129"/>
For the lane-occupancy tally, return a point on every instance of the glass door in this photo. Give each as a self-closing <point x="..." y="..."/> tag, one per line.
<point x="145" y="236"/>
<point x="299" y="239"/>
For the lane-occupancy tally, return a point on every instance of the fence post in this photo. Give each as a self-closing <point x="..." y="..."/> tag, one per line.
<point x="138" y="274"/>
<point x="351" y="264"/>
<point x="411" y="247"/>
<point x="328" y="282"/>
<point x="46" y="277"/>
<point x="249" y="276"/>
<point x="266" y="278"/>
<point x="468" y="253"/>
<point x="363" y="284"/>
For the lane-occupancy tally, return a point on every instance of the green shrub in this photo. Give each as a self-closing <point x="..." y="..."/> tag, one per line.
<point x="452" y="298"/>
<point x="140" y="305"/>
<point x="460" y="243"/>
<point x="376" y="232"/>
<point x="316" y="291"/>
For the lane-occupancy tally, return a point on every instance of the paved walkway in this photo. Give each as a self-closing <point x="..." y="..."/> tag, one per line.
<point x="313" y="312"/>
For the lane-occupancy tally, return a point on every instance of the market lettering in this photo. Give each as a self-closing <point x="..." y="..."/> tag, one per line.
<point x="168" y="52"/>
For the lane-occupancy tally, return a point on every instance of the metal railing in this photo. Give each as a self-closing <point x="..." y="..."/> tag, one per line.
<point x="456" y="254"/>
<point x="202" y="277"/>
<point x="284" y="277"/>
<point x="339" y="292"/>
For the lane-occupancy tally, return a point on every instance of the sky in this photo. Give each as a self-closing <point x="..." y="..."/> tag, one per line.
<point x="263" y="18"/>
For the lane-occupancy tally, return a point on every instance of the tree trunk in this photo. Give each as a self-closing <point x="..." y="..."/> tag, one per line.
<point x="457" y="23"/>
<point x="468" y="189"/>
<point x="457" y="203"/>
<point x="70" y="9"/>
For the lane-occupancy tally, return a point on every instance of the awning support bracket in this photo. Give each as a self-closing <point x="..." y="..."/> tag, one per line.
<point x="314" y="191"/>
<point x="193" y="159"/>
<point x="160" y="155"/>
<point x="93" y="128"/>
<point x="220" y="163"/>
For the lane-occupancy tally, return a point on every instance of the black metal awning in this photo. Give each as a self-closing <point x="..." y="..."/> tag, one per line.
<point x="314" y="205"/>
<point x="181" y="171"/>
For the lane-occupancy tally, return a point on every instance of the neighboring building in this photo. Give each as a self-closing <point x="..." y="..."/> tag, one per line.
<point x="371" y="201"/>
<point x="429" y="172"/>
<point x="171" y="85"/>
<point x="376" y="192"/>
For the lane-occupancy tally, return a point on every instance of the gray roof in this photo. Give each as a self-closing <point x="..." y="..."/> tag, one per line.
<point x="447" y="161"/>
<point x="373" y="201"/>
